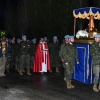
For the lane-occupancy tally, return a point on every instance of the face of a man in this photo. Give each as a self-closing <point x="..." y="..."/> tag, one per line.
<point x="18" y="41"/>
<point x="72" y="40"/>
<point x="54" y="40"/>
<point x="7" y="41"/>
<point x="97" y="39"/>
<point x="34" y="42"/>
<point x="24" y="39"/>
<point x="45" y="39"/>
<point x="67" y="40"/>
<point x="3" y="38"/>
<point x="42" y="39"/>
<point x="14" y="38"/>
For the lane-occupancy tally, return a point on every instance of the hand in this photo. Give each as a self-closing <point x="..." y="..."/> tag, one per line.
<point x="77" y="62"/>
<point x="66" y="63"/>
<point x="45" y="49"/>
<point x="62" y="60"/>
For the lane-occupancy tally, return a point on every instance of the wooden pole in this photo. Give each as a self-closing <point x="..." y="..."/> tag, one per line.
<point x="74" y="25"/>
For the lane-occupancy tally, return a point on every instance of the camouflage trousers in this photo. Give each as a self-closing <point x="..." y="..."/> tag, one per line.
<point x="68" y="70"/>
<point x="17" y="62"/>
<point x="25" y="62"/>
<point x="31" y="60"/>
<point x="55" y="61"/>
<point x="96" y="71"/>
<point x="2" y="65"/>
<point x="12" y="60"/>
<point x="8" y="63"/>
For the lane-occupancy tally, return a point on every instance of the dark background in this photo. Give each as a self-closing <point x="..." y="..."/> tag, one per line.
<point x="38" y="18"/>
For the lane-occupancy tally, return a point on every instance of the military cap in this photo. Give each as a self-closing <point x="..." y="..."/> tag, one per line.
<point x="97" y="36"/>
<point x="55" y="37"/>
<point x="6" y="38"/>
<point x="33" y="40"/>
<point x="45" y="37"/>
<point x="18" y="40"/>
<point x="70" y="37"/>
<point x="24" y="36"/>
<point x="66" y="36"/>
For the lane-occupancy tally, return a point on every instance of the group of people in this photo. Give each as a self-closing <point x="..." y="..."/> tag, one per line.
<point x="25" y="55"/>
<point x="12" y="54"/>
<point x="68" y="54"/>
<point x="43" y="56"/>
<point x="47" y="56"/>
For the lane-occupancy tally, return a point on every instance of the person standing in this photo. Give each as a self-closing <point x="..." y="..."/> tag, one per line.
<point x="54" y="54"/>
<point x="32" y="51"/>
<point x="68" y="55"/>
<point x="42" y="58"/>
<point x="13" y="46"/>
<point x="65" y="43"/>
<point x="17" y="55"/>
<point x="24" y="56"/>
<point x="8" y="56"/>
<point x="4" y="51"/>
<point x="95" y="53"/>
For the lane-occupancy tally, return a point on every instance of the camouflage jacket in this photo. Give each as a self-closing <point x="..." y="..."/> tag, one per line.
<point x="95" y="53"/>
<point x="17" y="53"/>
<point x="54" y="49"/>
<point x="24" y="48"/>
<point x="68" y="52"/>
<point x="33" y="49"/>
<point x="61" y="50"/>
<point x="13" y="48"/>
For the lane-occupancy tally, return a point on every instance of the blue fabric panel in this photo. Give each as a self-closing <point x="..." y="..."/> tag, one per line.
<point x="83" y="71"/>
<point x="87" y="9"/>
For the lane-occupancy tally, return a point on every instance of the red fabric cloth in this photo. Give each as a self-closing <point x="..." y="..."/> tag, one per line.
<point x="39" y="58"/>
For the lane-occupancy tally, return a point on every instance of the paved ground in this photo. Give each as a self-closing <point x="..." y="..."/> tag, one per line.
<point x="43" y="87"/>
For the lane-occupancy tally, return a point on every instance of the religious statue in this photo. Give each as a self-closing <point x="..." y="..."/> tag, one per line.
<point x="91" y="27"/>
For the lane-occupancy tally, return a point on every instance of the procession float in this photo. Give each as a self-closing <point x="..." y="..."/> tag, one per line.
<point x="91" y="14"/>
<point x="83" y="71"/>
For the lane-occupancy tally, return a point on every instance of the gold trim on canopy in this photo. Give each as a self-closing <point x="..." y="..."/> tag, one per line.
<point x="85" y="14"/>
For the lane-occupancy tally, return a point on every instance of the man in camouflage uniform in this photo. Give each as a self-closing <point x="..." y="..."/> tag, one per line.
<point x="13" y="48"/>
<point x="66" y="42"/>
<point x="8" y="57"/>
<point x="17" y="55"/>
<point x="67" y="54"/>
<point x="32" y="51"/>
<point x="54" y="54"/>
<point x="95" y="52"/>
<point x="24" y="56"/>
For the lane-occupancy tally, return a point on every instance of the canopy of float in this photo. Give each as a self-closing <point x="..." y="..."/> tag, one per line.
<point x="84" y="13"/>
